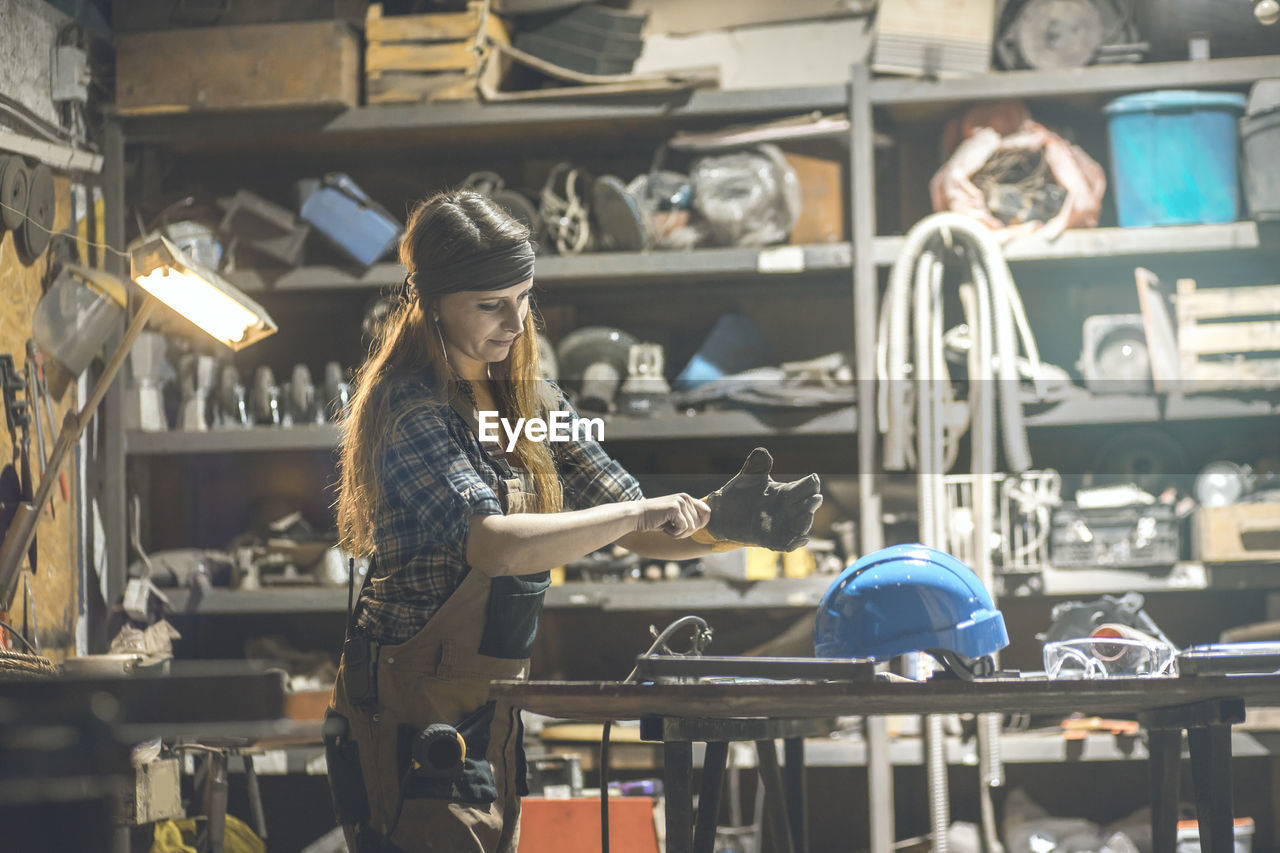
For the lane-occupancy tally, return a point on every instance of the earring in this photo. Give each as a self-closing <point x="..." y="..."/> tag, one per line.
<point x="440" y="336"/>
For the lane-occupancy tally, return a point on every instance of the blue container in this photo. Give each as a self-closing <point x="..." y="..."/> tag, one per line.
<point x="1173" y="157"/>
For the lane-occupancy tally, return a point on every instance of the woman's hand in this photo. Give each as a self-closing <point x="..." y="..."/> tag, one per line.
<point x="676" y="515"/>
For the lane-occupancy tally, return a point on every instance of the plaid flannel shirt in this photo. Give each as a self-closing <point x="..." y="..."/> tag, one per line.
<point x="435" y="478"/>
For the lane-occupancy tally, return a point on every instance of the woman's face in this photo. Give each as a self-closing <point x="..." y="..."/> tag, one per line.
<point x="479" y="326"/>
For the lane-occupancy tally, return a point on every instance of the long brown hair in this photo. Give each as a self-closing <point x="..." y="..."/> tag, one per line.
<point x="442" y="229"/>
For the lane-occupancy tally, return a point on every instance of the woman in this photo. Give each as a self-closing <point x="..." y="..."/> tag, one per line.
<point x="461" y="535"/>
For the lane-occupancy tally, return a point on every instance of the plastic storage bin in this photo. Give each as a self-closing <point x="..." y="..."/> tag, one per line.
<point x="1260" y="142"/>
<point x="1173" y="157"/>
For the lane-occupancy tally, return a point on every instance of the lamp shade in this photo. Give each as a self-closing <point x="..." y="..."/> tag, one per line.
<point x="199" y="294"/>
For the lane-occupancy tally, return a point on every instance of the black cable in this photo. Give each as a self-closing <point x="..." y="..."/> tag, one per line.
<point x="15" y="632"/>
<point x="604" y="786"/>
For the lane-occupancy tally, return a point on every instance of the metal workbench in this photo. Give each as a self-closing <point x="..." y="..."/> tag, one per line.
<point x="1205" y="706"/>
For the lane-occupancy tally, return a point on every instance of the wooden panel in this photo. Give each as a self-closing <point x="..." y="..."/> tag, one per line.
<point x="1230" y="301"/>
<point x="236" y="68"/>
<point x="445" y="26"/>
<point x="394" y="87"/>
<point x="1252" y="336"/>
<point x="54" y="587"/>
<point x="453" y="56"/>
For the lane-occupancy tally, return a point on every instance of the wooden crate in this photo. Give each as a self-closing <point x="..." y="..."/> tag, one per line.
<point x="1228" y="337"/>
<point x="427" y="58"/>
<point x="1239" y="533"/>
<point x="304" y="64"/>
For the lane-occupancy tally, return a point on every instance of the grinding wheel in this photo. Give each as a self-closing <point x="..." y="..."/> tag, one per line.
<point x="38" y="227"/>
<point x="14" y="186"/>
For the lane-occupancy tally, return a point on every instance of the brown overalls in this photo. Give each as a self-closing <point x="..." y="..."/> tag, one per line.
<point x="483" y="631"/>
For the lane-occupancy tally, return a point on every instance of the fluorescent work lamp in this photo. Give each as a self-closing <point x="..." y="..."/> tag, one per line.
<point x="166" y="275"/>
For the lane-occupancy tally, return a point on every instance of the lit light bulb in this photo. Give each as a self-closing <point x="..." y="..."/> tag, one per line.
<point x="1267" y="11"/>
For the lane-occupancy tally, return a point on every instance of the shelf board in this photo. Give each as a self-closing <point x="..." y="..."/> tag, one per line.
<point x="451" y="124"/>
<point x="722" y="424"/>
<point x="599" y="269"/>
<point x="1092" y="80"/>
<point x="1083" y="409"/>
<point x="695" y="593"/>
<point x="1080" y="410"/>
<point x="780" y="264"/>
<point x="1081" y="243"/>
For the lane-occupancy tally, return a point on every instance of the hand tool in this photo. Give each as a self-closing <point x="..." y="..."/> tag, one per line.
<point x="48" y="410"/>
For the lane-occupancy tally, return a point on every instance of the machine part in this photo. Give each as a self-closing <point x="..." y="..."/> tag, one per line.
<point x="1114" y="358"/>
<point x="195" y="377"/>
<point x="302" y="397"/>
<point x="15" y="185"/>
<point x="1118" y="537"/>
<point x="1056" y="33"/>
<point x="264" y="398"/>
<point x="515" y="203"/>
<point x="908" y="598"/>
<point x="619" y="215"/>
<point x="645" y="390"/>
<point x="593" y="361"/>
<point x="264" y="226"/>
<point x="232" y="409"/>
<point x="37" y="229"/>
<point x="565" y="218"/>
<point x="337" y="391"/>
<point x="1223" y="482"/>
<point x="1231" y="28"/>
<point x="71" y="74"/>
<point x="1145" y="456"/>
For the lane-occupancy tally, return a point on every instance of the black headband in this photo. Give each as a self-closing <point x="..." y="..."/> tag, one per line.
<point x="496" y="269"/>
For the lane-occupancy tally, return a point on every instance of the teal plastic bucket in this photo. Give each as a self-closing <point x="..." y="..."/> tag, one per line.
<point x="1173" y="157"/>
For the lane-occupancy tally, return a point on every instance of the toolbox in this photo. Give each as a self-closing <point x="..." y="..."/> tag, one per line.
<point x="346" y="216"/>
<point x="1115" y="537"/>
<point x="1237" y="533"/>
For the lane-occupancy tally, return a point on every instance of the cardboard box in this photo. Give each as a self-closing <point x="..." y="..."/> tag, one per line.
<point x="823" y="192"/>
<point x="943" y="38"/>
<point x="308" y="64"/>
<point x="1237" y="533"/>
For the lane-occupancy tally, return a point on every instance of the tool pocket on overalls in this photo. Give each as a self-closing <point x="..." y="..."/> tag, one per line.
<point x="474" y="782"/>
<point x="512" y="615"/>
<point x="346" y="779"/>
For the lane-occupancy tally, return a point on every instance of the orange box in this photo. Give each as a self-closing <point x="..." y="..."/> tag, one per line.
<point x="573" y="826"/>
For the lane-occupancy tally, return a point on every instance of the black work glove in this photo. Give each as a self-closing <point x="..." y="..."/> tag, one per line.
<point x="755" y="509"/>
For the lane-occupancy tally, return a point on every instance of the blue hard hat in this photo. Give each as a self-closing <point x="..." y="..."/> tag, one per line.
<point x="907" y="598"/>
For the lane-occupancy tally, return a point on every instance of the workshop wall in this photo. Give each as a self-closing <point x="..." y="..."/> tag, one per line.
<point x="54" y="587"/>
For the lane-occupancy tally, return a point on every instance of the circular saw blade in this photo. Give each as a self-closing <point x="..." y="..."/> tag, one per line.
<point x="38" y="227"/>
<point x="14" y="186"/>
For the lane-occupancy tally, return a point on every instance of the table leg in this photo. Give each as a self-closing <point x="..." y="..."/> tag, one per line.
<point x="255" y="797"/>
<point x="797" y="794"/>
<point x="677" y="759"/>
<point x="774" y="795"/>
<point x="1165" y="747"/>
<point x="713" y="761"/>
<point x="212" y="839"/>
<point x="1211" y="776"/>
